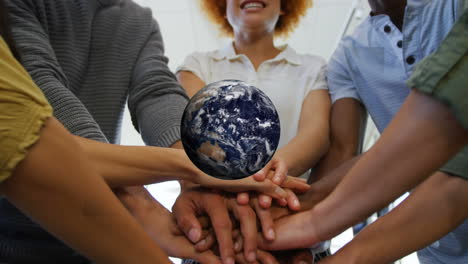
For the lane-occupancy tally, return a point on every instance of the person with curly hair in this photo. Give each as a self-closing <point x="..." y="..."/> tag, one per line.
<point x="294" y="82"/>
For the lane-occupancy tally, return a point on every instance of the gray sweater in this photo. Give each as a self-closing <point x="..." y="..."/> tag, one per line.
<point x="90" y="57"/>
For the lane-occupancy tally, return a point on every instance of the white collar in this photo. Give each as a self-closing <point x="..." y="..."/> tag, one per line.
<point x="287" y="53"/>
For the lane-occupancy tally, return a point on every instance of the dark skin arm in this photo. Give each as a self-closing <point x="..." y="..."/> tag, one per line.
<point x="403" y="158"/>
<point x="434" y="209"/>
<point x="348" y="122"/>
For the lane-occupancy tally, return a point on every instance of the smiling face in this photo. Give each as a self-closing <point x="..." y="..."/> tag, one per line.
<point x="253" y="15"/>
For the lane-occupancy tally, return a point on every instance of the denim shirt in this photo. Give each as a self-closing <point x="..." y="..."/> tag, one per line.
<point x="373" y="64"/>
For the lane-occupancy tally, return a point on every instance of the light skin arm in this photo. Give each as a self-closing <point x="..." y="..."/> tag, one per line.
<point x="434" y="209"/>
<point x="313" y="133"/>
<point x="130" y="165"/>
<point x="56" y="186"/>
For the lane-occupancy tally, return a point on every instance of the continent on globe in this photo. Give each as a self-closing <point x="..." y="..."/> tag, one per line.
<point x="230" y="130"/>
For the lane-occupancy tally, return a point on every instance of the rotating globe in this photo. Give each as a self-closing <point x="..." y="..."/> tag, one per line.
<point x="230" y="130"/>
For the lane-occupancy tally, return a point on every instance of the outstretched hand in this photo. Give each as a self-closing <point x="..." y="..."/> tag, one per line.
<point x="276" y="171"/>
<point x="271" y="181"/>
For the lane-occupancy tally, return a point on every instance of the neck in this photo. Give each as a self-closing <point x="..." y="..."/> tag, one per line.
<point x="395" y="9"/>
<point x="257" y="47"/>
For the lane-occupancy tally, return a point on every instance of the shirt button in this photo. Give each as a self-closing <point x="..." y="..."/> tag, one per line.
<point x="410" y="60"/>
<point x="400" y="44"/>
<point x="387" y="29"/>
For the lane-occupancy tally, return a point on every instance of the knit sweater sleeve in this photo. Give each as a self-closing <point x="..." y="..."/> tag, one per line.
<point x="38" y="57"/>
<point x="156" y="100"/>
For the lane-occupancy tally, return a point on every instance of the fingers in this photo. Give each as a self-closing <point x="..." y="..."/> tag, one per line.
<point x="265" y="201"/>
<point x="302" y="257"/>
<point x="207" y="257"/>
<point x="243" y="198"/>
<point x="294" y="231"/>
<point x="207" y="241"/>
<point x="221" y="223"/>
<point x="265" y="218"/>
<point x="186" y="219"/>
<point x="264" y="257"/>
<point x="248" y="226"/>
<point x="261" y="174"/>
<point x="293" y="201"/>
<point x="280" y="171"/>
<point x="296" y="184"/>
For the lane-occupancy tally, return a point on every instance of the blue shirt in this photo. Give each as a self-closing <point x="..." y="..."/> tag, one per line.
<point x="373" y="64"/>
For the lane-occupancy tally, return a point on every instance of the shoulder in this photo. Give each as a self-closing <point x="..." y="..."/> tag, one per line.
<point x="306" y="61"/>
<point x="360" y="38"/>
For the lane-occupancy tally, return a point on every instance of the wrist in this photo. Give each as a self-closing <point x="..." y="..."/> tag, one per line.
<point x="312" y="197"/>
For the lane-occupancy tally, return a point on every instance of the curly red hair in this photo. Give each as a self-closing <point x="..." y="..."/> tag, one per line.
<point x="293" y="10"/>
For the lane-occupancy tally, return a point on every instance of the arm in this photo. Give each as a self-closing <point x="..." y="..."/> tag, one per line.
<point x="435" y="208"/>
<point x="403" y="157"/>
<point x="347" y="131"/>
<point x="312" y="134"/>
<point x="156" y="101"/>
<point x="55" y="186"/>
<point x="127" y="166"/>
<point x="348" y="116"/>
<point x="38" y="57"/>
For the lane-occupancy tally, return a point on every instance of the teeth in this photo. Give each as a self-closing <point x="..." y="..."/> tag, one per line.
<point x="253" y="5"/>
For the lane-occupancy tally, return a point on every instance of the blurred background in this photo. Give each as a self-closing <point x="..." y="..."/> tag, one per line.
<point x="185" y="30"/>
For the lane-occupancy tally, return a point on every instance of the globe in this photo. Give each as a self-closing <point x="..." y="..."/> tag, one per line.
<point x="230" y="130"/>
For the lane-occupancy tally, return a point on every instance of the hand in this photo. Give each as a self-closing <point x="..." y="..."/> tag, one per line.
<point x="294" y="231"/>
<point x="161" y="226"/>
<point x="197" y="202"/>
<point x="276" y="171"/>
<point x="263" y="257"/>
<point x="266" y="187"/>
<point x="297" y="256"/>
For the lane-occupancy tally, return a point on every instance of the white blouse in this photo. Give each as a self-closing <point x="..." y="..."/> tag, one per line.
<point x="286" y="80"/>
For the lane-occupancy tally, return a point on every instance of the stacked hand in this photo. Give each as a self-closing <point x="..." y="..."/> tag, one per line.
<point x="209" y="222"/>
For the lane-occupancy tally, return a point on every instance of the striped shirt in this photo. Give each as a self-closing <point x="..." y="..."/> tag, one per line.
<point x="90" y="57"/>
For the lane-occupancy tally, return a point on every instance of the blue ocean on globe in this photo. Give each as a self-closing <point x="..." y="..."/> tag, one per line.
<point x="230" y="130"/>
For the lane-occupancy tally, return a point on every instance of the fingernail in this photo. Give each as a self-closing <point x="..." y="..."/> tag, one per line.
<point x="202" y="243"/>
<point x="229" y="261"/>
<point x="265" y="199"/>
<point x="236" y="246"/>
<point x="296" y="203"/>
<point x="193" y="235"/>
<point x="280" y="191"/>
<point x="271" y="234"/>
<point x="252" y="256"/>
<point x="277" y="180"/>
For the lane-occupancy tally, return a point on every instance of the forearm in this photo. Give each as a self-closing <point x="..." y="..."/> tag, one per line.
<point x="55" y="186"/>
<point x="304" y="151"/>
<point x="435" y="208"/>
<point x="348" y="119"/>
<point x="129" y="165"/>
<point x="401" y="159"/>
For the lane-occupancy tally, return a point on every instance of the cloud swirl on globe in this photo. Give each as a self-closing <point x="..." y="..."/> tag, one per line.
<point x="230" y="130"/>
